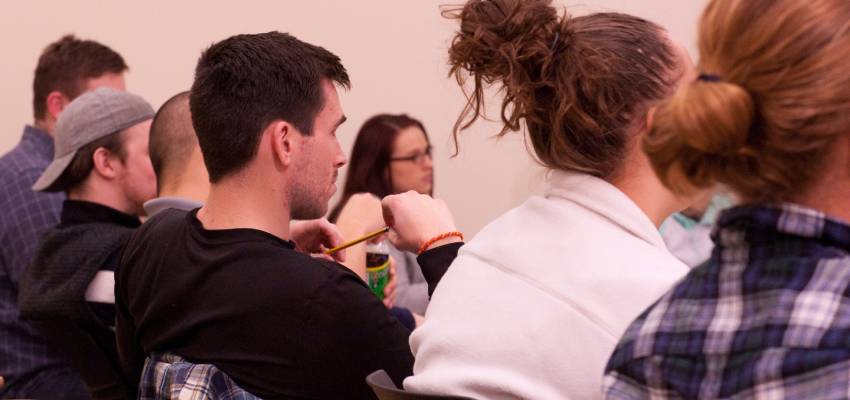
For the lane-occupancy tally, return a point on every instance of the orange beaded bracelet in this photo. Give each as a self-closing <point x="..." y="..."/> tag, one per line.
<point x="439" y="238"/>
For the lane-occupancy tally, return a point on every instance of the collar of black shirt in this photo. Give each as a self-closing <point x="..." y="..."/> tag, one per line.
<point x="75" y="212"/>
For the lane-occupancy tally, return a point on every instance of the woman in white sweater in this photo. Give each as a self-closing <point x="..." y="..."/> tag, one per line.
<point x="534" y="305"/>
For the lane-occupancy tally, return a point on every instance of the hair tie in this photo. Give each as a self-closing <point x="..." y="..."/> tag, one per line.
<point x="709" y="78"/>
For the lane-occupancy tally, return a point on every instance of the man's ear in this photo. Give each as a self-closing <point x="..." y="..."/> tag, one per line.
<point x="56" y="102"/>
<point x="283" y="137"/>
<point x="104" y="163"/>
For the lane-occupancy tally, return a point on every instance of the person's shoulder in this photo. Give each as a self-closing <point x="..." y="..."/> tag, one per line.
<point x="276" y="260"/>
<point x="151" y="239"/>
<point x="158" y="228"/>
<point x="318" y="272"/>
<point x="21" y="175"/>
<point x="165" y="219"/>
<point x="19" y="161"/>
<point x="332" y="268"/>
<point x="282" y="275"/>
<point x="18" y="172"/>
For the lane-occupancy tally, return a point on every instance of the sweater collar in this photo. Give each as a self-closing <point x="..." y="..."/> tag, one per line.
<point x="155" y="205"/>
<point x="763" y="223"/>
<point x="75" y="212"/>
<point x="602" y="198"/>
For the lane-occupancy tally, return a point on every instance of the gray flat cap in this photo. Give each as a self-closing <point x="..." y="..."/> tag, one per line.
<point x="90" y="117"/>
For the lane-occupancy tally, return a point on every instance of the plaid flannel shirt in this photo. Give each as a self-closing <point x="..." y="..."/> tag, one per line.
<point x="169" y="376"/>
<point x="768" y="316"/>
<point x="26" y="215"/>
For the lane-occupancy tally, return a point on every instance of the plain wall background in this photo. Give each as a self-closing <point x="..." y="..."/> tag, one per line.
<point x="395" y="52"/>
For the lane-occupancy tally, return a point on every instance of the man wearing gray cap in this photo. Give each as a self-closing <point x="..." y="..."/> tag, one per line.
<point x="101" y="162"/>
<point x="66" y="69"/>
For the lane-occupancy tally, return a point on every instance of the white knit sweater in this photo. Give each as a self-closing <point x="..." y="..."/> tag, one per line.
<point x="533" y="306"/>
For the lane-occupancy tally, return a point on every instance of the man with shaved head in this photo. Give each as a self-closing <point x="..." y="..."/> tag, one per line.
<point x="182" y="180"/>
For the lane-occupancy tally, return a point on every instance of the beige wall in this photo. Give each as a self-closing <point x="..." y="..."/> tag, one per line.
<point x="394" y="51"/>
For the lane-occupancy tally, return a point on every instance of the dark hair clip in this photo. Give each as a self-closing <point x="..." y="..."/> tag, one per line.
<point x="709" y="78"/>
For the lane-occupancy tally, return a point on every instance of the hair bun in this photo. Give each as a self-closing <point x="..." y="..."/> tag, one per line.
<point x="701" y="135"/>
<point x="727" y="109"/>
<point x="495" y="35"/>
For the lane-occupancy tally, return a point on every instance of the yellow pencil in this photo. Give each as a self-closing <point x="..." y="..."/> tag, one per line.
<point x="359" y="240"/>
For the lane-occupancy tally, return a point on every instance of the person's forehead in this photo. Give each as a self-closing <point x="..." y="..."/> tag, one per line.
<point x="410" y="138"/>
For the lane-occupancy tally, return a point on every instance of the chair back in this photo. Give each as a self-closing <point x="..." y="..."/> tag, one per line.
<point x="385" y="389"/>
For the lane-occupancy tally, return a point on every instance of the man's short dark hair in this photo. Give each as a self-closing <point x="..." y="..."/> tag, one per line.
<point x="245" y="82"/>
<point x="66" y="64"/>
<point x="172" y="138"/>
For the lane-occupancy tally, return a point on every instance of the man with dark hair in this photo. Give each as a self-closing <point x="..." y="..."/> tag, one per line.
<point x="229" y="284"/>
<point x="66" y="69"/>
<point x="101" y="163"/>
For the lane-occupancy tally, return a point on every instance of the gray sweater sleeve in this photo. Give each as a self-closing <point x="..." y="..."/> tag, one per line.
<point x="411" y="287"/>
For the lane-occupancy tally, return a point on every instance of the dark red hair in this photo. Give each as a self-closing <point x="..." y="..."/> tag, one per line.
<point x="369" y="165"/>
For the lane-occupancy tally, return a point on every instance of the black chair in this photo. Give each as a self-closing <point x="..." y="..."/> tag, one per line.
<point x="385" y="389"/>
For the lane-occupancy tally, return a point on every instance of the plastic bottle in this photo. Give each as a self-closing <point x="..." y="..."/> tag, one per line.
<point x="378" y="267"/>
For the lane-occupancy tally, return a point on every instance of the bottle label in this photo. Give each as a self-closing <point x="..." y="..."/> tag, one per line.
<point x="377" y="272"/>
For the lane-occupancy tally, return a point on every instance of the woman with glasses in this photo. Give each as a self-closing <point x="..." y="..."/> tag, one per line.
<point x="391" y="154"/>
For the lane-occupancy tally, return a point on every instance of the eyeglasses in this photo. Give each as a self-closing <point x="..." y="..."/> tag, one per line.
<point x="418" y="158"/>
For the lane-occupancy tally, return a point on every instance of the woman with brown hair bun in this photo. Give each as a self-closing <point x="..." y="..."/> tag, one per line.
<point x="533" y="306"/>
<point x="768" y="316"/>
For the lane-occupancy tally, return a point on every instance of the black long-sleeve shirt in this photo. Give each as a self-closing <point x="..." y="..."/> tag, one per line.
<point x="54" y="289"/>
<point x="280" y="323"/>
<point x="74" y="213"/>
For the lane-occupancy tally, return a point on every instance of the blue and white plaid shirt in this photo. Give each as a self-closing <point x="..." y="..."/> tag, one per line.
<point x="24" y="217"/>
<point x="169" y="376"/>
<point x="768" y="316"/>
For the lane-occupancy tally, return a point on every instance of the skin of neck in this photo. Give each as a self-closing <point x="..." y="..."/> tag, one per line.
<point x="831" y="199"/>
<point x="636" y="178"/>
<point x="101" y="191"/>
<point x="192" y="183"/>
<point x="46" y="124"/>
<point x="190" y="190"/>
<point x="638" y="181"/>
<point x="830" y="193"/>
<point x="255" y="197"/>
